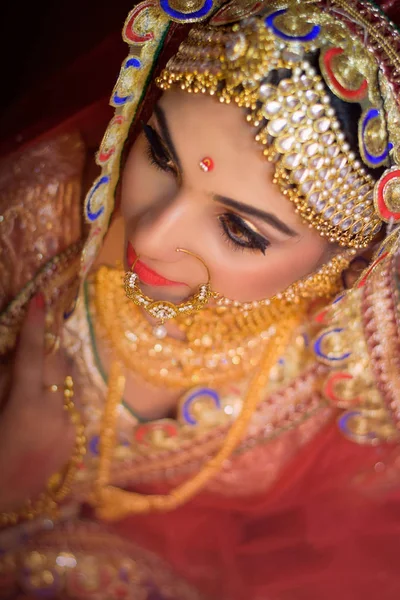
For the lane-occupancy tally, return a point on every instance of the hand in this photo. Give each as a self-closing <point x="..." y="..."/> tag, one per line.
<point x="36" y="434"/>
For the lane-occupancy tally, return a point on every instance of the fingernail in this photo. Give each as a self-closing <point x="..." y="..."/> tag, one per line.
<point x="38" y="301"/>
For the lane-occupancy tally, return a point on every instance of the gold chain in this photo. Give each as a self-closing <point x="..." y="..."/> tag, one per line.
<point x="113" y="503"/>
<point x="221" y="344"/>
<point x="59" y="485"/>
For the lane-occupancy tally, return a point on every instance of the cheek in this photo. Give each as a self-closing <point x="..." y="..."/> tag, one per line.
<point x="253" y="277"/>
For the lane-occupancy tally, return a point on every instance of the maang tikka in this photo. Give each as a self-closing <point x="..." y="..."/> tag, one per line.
<point x="163" y="310"/>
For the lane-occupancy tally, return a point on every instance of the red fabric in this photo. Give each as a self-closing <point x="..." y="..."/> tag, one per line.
<point x="326" y="531"/>
<point x="46" y="107"/>
<point x="391" y="8"/>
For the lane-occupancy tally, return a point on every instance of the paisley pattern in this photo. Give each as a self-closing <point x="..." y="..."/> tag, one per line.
<point x="187" y="12"/>
<point x="362" y="347"/>
<point x="144" y="31"/>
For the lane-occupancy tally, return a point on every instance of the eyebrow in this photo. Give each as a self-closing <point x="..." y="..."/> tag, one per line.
<point x="166" y="134"/>
<point x="252" y="211"/>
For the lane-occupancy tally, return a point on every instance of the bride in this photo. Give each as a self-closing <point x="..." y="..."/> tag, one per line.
<point x="200" y="388"/>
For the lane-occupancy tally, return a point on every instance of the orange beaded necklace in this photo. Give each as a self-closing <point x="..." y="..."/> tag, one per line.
<point x="113" y="503"/>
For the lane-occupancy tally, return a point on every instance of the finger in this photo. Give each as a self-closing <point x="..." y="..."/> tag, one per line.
<point x="55" y="369"/>
<point x="28" y="370"/>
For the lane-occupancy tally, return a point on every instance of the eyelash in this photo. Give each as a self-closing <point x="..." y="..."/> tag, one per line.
<point x="254" y="243"/>
<point x="156" y="154"/>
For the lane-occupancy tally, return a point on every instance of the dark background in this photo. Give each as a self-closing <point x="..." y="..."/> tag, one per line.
<point x="56" y="57"/>
<point x="60" y="56"/>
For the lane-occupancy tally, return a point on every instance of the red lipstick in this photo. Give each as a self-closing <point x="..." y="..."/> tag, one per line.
<point x="147" y="275"/>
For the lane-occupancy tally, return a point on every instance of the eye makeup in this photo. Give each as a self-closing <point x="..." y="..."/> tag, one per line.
<point x="241" y="234"/>
<point x="236" y="230"/>
<point x="156" y="150"/>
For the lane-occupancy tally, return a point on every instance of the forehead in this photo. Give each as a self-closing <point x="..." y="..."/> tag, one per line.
<point x="205" y="115"/>
<point x="201" y="126"/>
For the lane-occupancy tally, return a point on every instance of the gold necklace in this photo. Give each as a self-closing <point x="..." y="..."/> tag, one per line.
<point x="113" y="503"/>
<point x="222" y="343"/>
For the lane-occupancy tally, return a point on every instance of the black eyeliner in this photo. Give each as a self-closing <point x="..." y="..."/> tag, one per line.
<point x="255" y="241"/>
<point x="155" y="143"/>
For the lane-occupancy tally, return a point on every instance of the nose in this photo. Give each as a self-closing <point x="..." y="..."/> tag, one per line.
<point x="163" y="229"/>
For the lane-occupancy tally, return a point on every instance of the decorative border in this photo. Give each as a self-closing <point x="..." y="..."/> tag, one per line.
<point x="144" y="30"/>
<point x="379" y="308"/>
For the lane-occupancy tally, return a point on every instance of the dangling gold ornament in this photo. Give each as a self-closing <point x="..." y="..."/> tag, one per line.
<point x="222" y="342"/>
<point x="162" y="310"/>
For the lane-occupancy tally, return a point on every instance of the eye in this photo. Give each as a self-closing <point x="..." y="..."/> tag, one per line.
<point x="156" y="151"/>
<point x="238" y="233"/>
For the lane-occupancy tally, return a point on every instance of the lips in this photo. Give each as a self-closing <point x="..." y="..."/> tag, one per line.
<point x="147" y="275"/>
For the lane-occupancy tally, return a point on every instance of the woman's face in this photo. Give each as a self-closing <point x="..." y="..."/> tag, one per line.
<point x="233" y="216"/>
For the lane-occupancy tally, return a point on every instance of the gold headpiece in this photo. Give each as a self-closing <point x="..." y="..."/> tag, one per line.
<point x="358" y="51"/>
<point x="295" y="122"/>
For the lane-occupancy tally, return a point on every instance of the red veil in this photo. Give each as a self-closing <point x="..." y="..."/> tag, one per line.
<point x="330" y="528"/>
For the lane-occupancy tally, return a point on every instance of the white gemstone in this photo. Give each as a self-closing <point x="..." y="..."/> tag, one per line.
<point x="364" y="189"/>
<point x="271" y="108"/>
<point x="313" y="199"/>
<point x="285" y="144"/>
<point x="316" y="111"/>
<point x="292" y="161"/>
<point x="298" y="116"/>
<point x="317" y="163"/>
<point x="306" y="82"/>
<point x="356" y="227"/>
<point x="367" y="230"/>
<point x="333" y="150"/>
<point x="292" y="102"/>
<point x="266" y="91"/>
<point x="300" y="175"/>
<point x="306" y="187"/>
<point x="160" y="332"/>
<point x="291" y="56"/>
<point x="132" y="337"/>
<point x="329" y="212"/>
<point x="327" y="139"/>
<point x="345" y="171"/>
<point x="367" y="213"/>
<point x="329" y="184"/>
<point x="312" y="149"/>
<point x="286" y="87"/>
<point x="276" y="126"/>
<point x="337" y="218"/>
<point x="305" y="134"/>
<point x="340" y="162"/>
<point x="322" y="125"/>
<point x="346" y="223"/>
